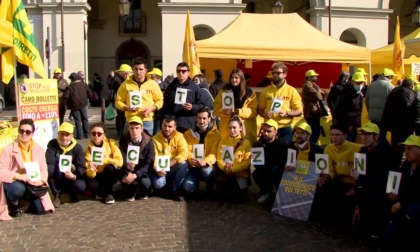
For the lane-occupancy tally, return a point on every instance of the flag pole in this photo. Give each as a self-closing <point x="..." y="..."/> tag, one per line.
<point x="15" y="77"/>
<point x="63" y="51"/>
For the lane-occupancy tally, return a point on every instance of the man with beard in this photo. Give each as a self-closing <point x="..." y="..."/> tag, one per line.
<point x="170" y="142"/>
<point x="71" y="181"/>
<point x="281" y="93"/>
<point x="204" y="132"/>
<point x="268" y="176"/>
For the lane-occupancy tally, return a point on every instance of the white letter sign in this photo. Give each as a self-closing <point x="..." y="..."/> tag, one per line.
<point x="228" y="101"/>
<point x="133" y="154"/>
<point x="360" y="163"/>
<point x="198" y="151"/>
<point x="291" y="157"/>
<point x="163" y="163"/>
<point x="181" y="95"/>
<point x="257" y="156"/>
<point x="321" y="164"/>
<point x="393" y="185"/>
<point x="64" y="163"/>
<point x="135" y="99"/>
<point x="97" y="155"/>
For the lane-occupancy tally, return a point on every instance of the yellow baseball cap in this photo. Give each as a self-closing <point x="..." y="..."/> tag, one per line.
<point x="66" y="127"/>
<point x="271" y="123"/>
<point x="412" y="77"/>
<point x="358" y="77"/>
<point x="412" y="140"/>
<point x="124" y="68"/>
<point x="135" y="119"/>
<point x="361" y="70"/>
<point x="311" y="73"/>
<point x="370" y="128"/>
<point x="304" y="126"/>
<point x="57" y="70"/>
<point x="388" y="72"/>
<point x="155" y="71"/>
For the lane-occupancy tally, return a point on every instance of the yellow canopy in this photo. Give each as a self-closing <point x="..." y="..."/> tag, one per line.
<point x="384" y="55"/>
<point x="6" y="34"/>
<point x="412" y="47"/>
<point x="285" y="37"/>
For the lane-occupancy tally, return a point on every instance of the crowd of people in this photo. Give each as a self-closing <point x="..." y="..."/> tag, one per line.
<point x="175" y="133"/>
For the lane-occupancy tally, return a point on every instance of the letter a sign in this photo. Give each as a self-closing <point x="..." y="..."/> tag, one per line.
<point x="227" y="154"/>
<point x="163" y="163"/>
<point x="135" y="99"/>
<point x="181" y="95"/>
<point x="228" y="101"/>
<point x="64" y="163"/>
<point x="257" y="156"/>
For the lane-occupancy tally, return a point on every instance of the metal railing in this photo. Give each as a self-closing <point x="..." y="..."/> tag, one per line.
<point x="132" y="25"/>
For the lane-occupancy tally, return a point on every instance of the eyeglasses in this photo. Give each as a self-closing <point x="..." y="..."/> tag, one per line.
<point x="27" y="132"/>
<point x="182" y="71"/>
<point x="94" y="133"/>
<point x="336" y="135"/>
<point x="277" y="73"/>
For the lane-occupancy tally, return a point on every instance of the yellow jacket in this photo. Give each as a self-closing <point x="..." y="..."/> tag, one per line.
<point x="211" y="142"/>
<point x="151" y="95"/>
<point x="291" y="101"/>
<point x="112" y="155"/>
<point x="248" y="113"/>
<point x="341" y="160"/>
<point x="176" y="147"/>
<point x="242" y="159"/>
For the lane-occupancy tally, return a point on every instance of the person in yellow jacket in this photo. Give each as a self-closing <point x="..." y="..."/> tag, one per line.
<point x="170" y="142"/>
<point x="151" y="96"/>
<point x="280" y="96"/>
<point x="101" y="177"/>
<point x="233" y="175"/>
<point x="245" y="105"/>
<point x="337" y="190"/>
<point x="201" y="165"/>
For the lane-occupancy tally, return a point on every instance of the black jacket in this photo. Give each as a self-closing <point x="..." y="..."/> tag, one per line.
<point x="333" y="95"/>
<point x="409" y="192"/>
<point x="77" y="95"/>
<point x="349" y="105"/>
<point x="52" y="155"/>
<point x="399" y="112"/>
<point x="184" y="119"/>
<point x="275" y="153"/>
<point x="147" y="154"/>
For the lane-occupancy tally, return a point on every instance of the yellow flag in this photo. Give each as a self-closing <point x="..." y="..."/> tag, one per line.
<point x="190" y="54"/>
<point x="24" y="44"/>
<point x="398" y="52"/>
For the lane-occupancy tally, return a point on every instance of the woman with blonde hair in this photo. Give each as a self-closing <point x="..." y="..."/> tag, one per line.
<point x="245" y="106"/>
<point x="233" y="175"/>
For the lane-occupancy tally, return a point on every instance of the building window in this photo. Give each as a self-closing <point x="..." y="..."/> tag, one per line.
<point x="135" y="21"/>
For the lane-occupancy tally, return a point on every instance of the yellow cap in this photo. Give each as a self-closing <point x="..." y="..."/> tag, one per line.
<point x="388" y="72"/>
<point x="135" y="119"/>
<point x="124" y="68"/>
<point x="271" y="123"/>
<point x="412" y="140"/>
<point x="57" y="70"/>
<point x="370" y="128"/>
<point x="358" y="77"/>
<point x="66" y="127"/>
<point x="305" y="126"/>
<point x="269" y="75"/>
<point x="412" y="77"/>
<point x="311" y="73"/>
<point x="361" y="70"/>
<point x="155" y="71"/>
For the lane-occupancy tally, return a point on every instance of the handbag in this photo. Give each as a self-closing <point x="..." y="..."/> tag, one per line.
<point x="109" y="113"/>
<point x="35" y="192"/>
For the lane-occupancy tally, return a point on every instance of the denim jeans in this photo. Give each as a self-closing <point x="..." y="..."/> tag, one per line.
<point x="192" y="180"/>
<point x="175" y="177"/>
<point x="82" y="124"/>
<point x="16" y="190"/>
<point x="58" y="182"/>
<point x="286" y="134"/>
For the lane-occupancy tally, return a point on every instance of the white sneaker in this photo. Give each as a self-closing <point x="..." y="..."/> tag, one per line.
<point x="263" y="198"/>
<point x="131" y="199"/>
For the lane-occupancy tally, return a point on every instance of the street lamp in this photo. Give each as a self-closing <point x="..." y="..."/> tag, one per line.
<point x="415" y="15"/>
<point x="124" y="7"/>
<point x="277" y="7"/>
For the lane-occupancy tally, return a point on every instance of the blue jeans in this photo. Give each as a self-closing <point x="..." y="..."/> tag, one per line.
<point x="58" y="182"/>
<point x="174" y="177"/>
<point x="192" y="180"/>
<point x="16" y="190"/>
<point x="286" y="134"/>
<point x="147" y="125"/>
<point x="267" y="177"/>
<point x="81" y="121"/>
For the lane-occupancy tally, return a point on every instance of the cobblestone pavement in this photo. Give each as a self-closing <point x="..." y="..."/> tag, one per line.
<point x="158" y="224"/>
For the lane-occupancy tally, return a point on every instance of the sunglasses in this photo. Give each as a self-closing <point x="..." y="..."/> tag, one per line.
<point x="94" y="133"/>
<point x="27" y="132"/>
<point x="181" y="71"/>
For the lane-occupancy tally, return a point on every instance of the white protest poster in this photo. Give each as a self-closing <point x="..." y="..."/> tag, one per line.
<point x="291" y="157"/>
<point x="97" y="155"/>
<point x="415" y="68"/>
<point x="135" y="99"/>
<point x="133" y="154"/>
<point x="181" y="95"/>
<point x="393" y="185"/>
<point x="198" y="151"/>
<point x="163" y="163"/>
<point x="64" y="163"/>
<point x="276" y="105"/>
<point x="321" y="164"/>
<point x="360" y="163"/>
<point x="257" y="156"/>
<point x="228" y="101"/>
<point x="33" y="171"/>
<point x="227" y="154"/>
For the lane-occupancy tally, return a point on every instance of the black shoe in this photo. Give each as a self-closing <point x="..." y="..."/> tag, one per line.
<point x="16" y="212"/>
<point x="109" y="199"/>
<point x="177" y="196"/>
